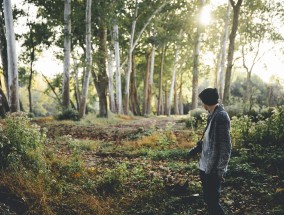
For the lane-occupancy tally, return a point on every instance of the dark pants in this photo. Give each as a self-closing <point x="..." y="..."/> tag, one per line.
<point x="211" y="185"/>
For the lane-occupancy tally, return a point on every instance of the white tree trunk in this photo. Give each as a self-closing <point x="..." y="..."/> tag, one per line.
<point x="195" y="69"/>
<point x="110" y="81"/>
<point x="77" y="88"/>
<point x="13" y="89"/>
<point x="117" y="70"/>
<point x="181" y="111"/>
<point x="224" y="48"/>
<point x="86" y="79"/>
<point x="151" y="78"/>
<point x="67" y="51"/>
<point x="173" y="81"/>
<point x="129" y="63"/>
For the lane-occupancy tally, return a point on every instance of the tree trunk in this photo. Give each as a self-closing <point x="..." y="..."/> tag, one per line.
<point x="176" y="105"/>
<point x="149" y="111"/>
<point x="146" y="82"/>
<point x="12" y="58"/>
<point x="4" y="106"/>
<point x="129" y="64"/>
<point x="118" y="74"/>
<point x="32" y="58"/>
<point x="181" y="110"/>
<point x="132" y="45"/>
<point x="101" y="81"/>
<point x="173" y="81"/>
<point x="77" y="88"/>
<point x="166" y="104"/>
<point x="30" y="87"/>
<point x="236" y="9"/>
<point x="224" y="48"/>
<point x="67" y="51"/>
<point x="160" y="99"/>
<point x="134" y="101"/>
<point x="218" y="66"/>
<point x="195" y="71"/>
<point x="110" y="82"/>
<point x="86" y="79"/>
<point x="3" y="47"/>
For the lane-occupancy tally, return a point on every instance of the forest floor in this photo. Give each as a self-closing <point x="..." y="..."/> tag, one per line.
<point x="247" y="189"/>
<point x="149" y="173"/>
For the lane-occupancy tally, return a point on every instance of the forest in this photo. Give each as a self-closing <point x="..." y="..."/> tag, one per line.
<point x="110" y="130"/>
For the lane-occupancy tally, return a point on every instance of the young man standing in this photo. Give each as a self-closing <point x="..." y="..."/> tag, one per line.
<point x="215" y="150"/>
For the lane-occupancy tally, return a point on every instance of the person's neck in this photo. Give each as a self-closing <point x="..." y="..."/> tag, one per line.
<point x="212" y="108"/>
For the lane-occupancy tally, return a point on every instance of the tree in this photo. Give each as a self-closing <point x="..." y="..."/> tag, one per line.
<point x="197" y="44"/>
<point x="224" y="40"/>
<point x="110" y="81"/>
<point x="160" y="98"/>
<point x="146" y="82"/>
<point x="236" y="12"/>
<point x="13" y="85"/>
<point x="3" y="45"/>
<point x="117" y="70"/>
<point x="256" y="27"/>
<point x="151" y="82"/>
<point x="101" y="79"/>
<point x="67" y="51"/>
<point x="173" y="84"/>
<point x="83" y="102"/>
<point x="132" y="45"/>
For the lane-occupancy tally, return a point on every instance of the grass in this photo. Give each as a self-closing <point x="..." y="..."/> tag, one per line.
<point x="146" y="172"/>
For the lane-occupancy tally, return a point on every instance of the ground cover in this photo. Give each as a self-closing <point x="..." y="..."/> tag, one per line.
<point x="138" y="166"/>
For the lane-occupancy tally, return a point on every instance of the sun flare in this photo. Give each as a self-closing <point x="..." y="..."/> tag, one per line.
<point x="205" y="16"/>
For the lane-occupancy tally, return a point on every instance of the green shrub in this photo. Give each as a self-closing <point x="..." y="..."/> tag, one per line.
<point x="68" y="114"/>
<point x="21" y="143"/>
<point x="112" y="179"/>
<point x="245" y="130"/>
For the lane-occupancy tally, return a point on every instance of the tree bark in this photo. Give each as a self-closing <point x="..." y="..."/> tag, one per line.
<point x="110" y="82"/>
<point x="67" y="51"/>
<point x="117" y="74"/>
<point x="146" y="82"/>
<point x="129" y="64"/>
<point x="176" y="105"/>
<point x="134" y="101"/>
<point x="224" y="48"/>
<point x="3" y="47"/>
<point x="181" y="110"/>
<point x="236" y="10"/>
<point x="195" y="71"/>
<point x="4" y="106"/>
<point x="32" y="58"/>
<point x="13" y="90"/>
<point x="101" y="81"/>
<point x="86" y="79"/>
<point x="151" y="82"/>
<point x="77" y="88"/>
<point x="160" y="99"/>
<point x="173" y="81"/>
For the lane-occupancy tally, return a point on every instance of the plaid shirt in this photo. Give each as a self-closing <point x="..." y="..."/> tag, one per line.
<point x="219" y="142"/>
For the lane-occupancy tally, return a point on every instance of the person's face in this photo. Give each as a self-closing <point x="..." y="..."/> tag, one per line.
<point x="205" y="107"/>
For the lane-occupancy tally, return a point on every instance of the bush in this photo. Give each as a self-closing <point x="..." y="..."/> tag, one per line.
<point x="68" y="114"/>
<point x="197" y="118"/>
<point x="21" y="143"/>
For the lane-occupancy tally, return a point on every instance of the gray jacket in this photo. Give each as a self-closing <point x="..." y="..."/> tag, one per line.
<point x="219" y="142"/>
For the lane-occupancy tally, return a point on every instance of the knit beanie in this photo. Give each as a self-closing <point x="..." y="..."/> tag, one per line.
<point x="209" y="96"/>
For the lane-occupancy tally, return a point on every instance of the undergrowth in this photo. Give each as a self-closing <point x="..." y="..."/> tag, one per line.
<point x="145" y="173"/>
